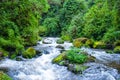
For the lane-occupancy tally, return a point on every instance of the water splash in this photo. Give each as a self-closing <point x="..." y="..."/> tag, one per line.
<point x="41" y="68"/>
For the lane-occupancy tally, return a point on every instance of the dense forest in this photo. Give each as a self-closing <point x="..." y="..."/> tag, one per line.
<point x="23" y="22"/>
<point x="89" y="23"/>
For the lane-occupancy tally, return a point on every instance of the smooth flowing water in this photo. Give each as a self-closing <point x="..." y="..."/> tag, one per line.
<point x="41" y="68"/>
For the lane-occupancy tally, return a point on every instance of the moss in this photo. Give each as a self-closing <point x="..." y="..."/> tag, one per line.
<point x="29" y="53"/>
<point x="117" y="43"/>
<point x="13" y="56"/>
<point x="99" y="45"/>
<point x="117" y="49"/>
<point x="4" y="53"/>
<point x="60" y="41"/>
<point x="109" y="51"/>
<point x="59" y="58"/>
<point x="66" y="38"/>
<point x="79" y="42"/>
<point x="4" y="76"/>
<point x="91" y="59"/>
<point x="89" y="43"/>
<point x="80" y="68"/>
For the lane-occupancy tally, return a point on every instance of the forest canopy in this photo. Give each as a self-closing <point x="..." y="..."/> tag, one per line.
<point x="22" y="22"/>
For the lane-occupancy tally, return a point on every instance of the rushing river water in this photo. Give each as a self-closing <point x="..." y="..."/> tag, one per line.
<point x="41" y="68"/>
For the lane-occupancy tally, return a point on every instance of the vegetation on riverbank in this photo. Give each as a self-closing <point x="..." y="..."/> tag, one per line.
<point x="23" y="22"/>
<point x="19" y="24"/>
<point x="73" y="59"/>
<point x="4" y="76"/>
<point x="96" y="20"/>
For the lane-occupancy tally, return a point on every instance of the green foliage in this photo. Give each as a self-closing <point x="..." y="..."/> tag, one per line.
<point x="4" y="76"/>
<point x="117" y="43"/>
<point x="19" y="23"/>
<point x="117" y="49"/>
<point x="76" y="56"/>
<point x="29" y="53"/>
<point x="52" y="26"/>
<point x="59" y="58"/>
<point x="79" y="42"/>
<point x="60" y="41"/>
<point x="99" y="45"/>
<point x="66" y="38"/>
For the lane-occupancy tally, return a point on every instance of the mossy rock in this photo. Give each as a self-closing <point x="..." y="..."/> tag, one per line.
<point x="59" y="58"/>
<point x="109" y="51"/>
<point x="29" y="53"/>
<point x="117" y="49"/>
<point x="79" y="42"/>
<point x="77" y="68"/>
<point x="60" y="47"/>
<point x="91" y="59"/>
<point x="99" y="45"/>
<point x="4" y="53"/>
<point x="117" y="43"/>
<point x="89" y="43"/>
<point x="60" y="41"/>
<point x="4" y="76"/>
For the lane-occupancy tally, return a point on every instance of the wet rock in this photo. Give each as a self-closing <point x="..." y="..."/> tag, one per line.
<point x="46" y="52"/>
<point x="1" y="54"/>
<point x="77" y="68"/>
<point x="29" y="53"/>
<point x="47" y="41"/>
<point x="114" y="65"/>
<point x="59" y="58"/>
<point x="4" y="69"/>
<point x="60" y="47"/>
<point x="91" y="58"/>
<point x="19" y="58"/>
<point x="117" y="49"/>
<point x="79" y="42"/>
<point x="38" y="53"/>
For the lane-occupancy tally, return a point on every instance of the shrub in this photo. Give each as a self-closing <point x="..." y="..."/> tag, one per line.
<point x="66" y="38"/>
<point x="76" y="56"/>
<point x="4" y="76"/>
<point x="60" y="41"/>
<point x="117" y="43"/>
<point x="99" y="45"/>
<point x="19" y="23"/>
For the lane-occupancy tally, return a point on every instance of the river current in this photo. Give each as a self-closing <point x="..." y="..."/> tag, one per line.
<point x="41" y="67"/>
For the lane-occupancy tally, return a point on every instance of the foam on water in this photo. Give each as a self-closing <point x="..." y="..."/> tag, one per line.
<point x="41" y="68"/>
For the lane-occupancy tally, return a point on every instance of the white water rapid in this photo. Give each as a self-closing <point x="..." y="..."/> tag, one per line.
<point x="41" y="68"/>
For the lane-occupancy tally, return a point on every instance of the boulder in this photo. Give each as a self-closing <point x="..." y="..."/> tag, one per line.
<point x="99" y="45"/>
<point x="46" y="52"/>
<point x="59" y="58"/>
<point x="60" y="47"/>
<point x="76" y="68"/>
<point x="79" y="42"/>
<point x="117" y="49"/>
<point x="29" y="53"/>
<point x="47" y="41"/>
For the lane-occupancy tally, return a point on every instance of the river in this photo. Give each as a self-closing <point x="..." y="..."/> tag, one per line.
<point x="41" y="67"/>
